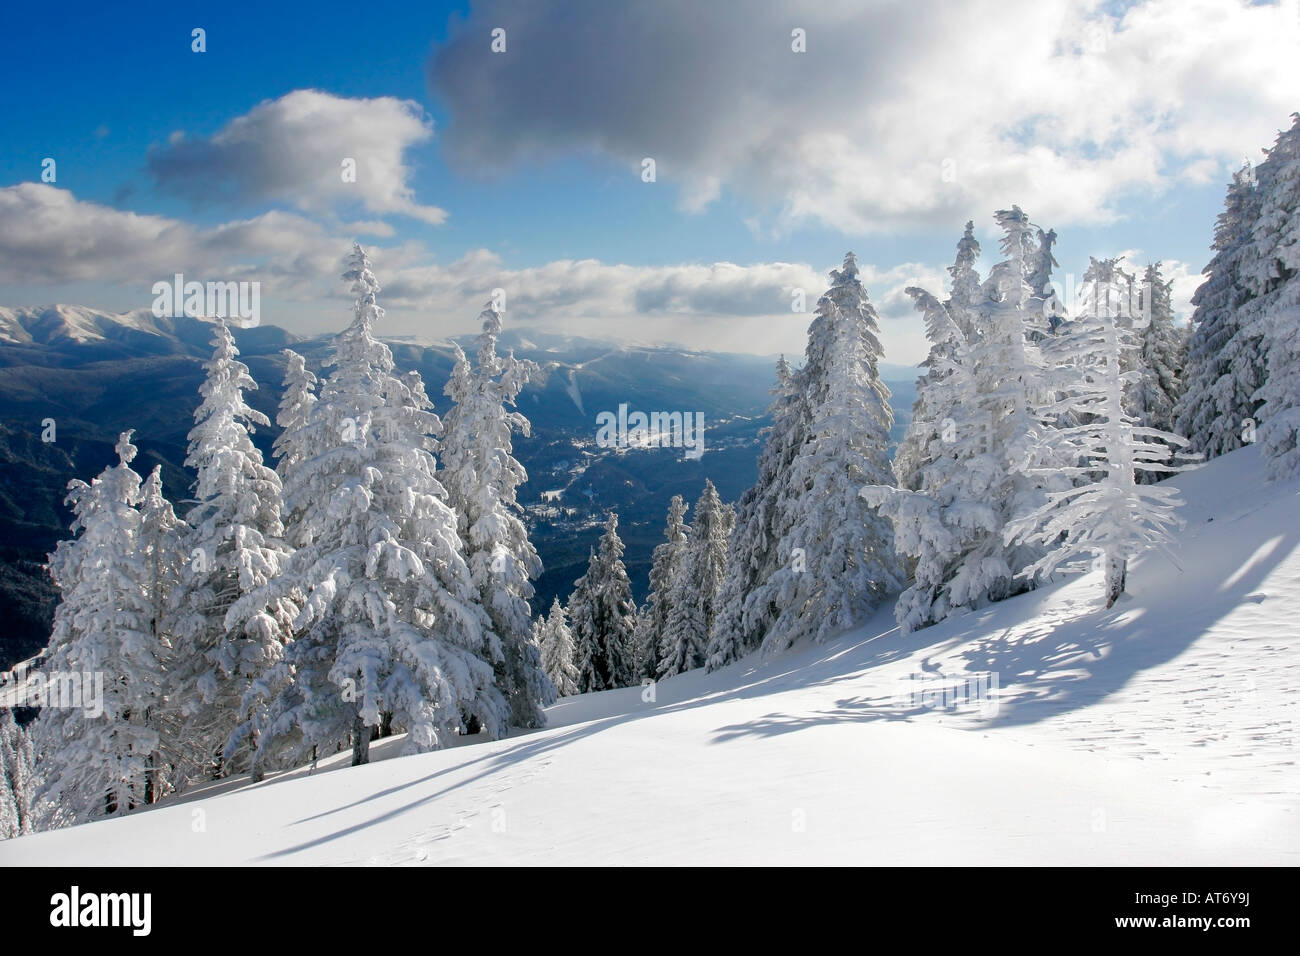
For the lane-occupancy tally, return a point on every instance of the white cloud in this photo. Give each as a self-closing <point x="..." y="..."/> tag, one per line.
<point x="293" y="149"/>
<point x="897" y="116"/>
<point x="1186" y="280"/>
<point x="49" y="238"/>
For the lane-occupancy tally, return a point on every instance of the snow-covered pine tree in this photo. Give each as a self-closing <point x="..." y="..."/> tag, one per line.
<point x="697" y="585"/>
<point x="229" y="631"/>
<point x="956" y="325"/>
<point x="964" y="293"/>
<point x="1161" y="359"/>
<point x="390" y="624"/>
<point x="1225" y="360"/>
<point x="1039" y="281"/>
<point x="556" y="641"/>
<point x="652" y="622"/>
<point x="161" y="552"/>
<point x="604" y="616"/>
<point x="1107" y="289"/>
<point x="978" y="438"/>
<point x="9" y="826"/>
<point x="482" y="478"/>
<point x="744" y="613"/>
<point x="1107" y="513"/>
<point x="1272" y="274"/>
<point x="949" y="522"/>
<point x="94" y="765"/>
<point x="843" y="561"/>
<point x="1009" y="380"/>
<point x="16" y="768"/>
<point x="295" y="443"/>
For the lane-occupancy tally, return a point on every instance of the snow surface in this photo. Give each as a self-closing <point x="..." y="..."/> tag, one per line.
<point x="1161" y="731"/>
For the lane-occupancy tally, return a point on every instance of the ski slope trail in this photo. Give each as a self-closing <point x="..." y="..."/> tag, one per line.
<point x="1161" y="731"/>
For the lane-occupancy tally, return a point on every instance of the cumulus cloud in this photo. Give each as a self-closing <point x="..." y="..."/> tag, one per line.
<point x="897" y="116"/>
<point x="1186" y="280"/>
<point x="293" y="150"/>
<point x="49" y="238"/>
<point x="723" y="306"/>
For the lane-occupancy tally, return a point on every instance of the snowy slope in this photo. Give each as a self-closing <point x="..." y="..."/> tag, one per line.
<point x="1159" y="732"/>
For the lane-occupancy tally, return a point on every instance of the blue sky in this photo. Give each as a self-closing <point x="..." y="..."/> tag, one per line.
<point x="523" y="168"/>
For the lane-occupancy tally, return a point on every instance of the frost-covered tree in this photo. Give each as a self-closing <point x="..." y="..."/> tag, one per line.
<point x="1162" y="357"/>
<point x="976" y="437"/>
<point x="1272" y="274"/>
<point x="948" y="521"/>
<point x="604" y="617"/>
<point x="964" y="293"/>
<point x="1226" y="360"/>
<point x="296" y="442"/>
<point x="745" y="612"/>
<point x="482" y="478"/>
<point x="16" y="769"/>
<point x="652" y="622"/>
<point x="697" y="585"/>
<point x="161" y="553"/>
<point x="101" y="764"/>
<point x="843" y="561"/>
<point x="1107" y="289"/>
<point x="956" y="324"/>
<point x="390" y="622"/>
<point x="556" y="641"/>
<point x="1107" y="513"/>
<point x="1008" y="370"/>
<point x="229" y="631"/>
<point x="1039" y="280"/>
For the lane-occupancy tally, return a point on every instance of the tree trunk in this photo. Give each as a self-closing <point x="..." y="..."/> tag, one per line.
<point x="1116" y="578"/>
<point x="360" y="741"/>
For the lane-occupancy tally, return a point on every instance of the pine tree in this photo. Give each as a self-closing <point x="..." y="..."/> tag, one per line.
<point x="9" y="826"/>
<point x="665" y="562"/>
<point x="976" y="437"/>
<point x="1161" y="359"/>
<point x="229" y="631"/>
<point x="745" y="609"/>
<point x="15" y="778"/>
<point x="1272" y="274"/>
<point x="482" y="478"/>
<point x="1107" y="513"/>
<point x="1039" y="281"/>
<point x="390" y="623"/>
<point x="556" y="641"/>
<point x="1225" y="361"/>
<point x="1107" y="289"/>
<point x="697" y="585"/>
<point x="94" y="765"/>
<point x="604" y="617"/>
<point x="947" y="522"/>
<point x="956" y="325"/>
<point x="296" y="443"/>
<point x="844" y="559"/>
<point x="161" y="552"/>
